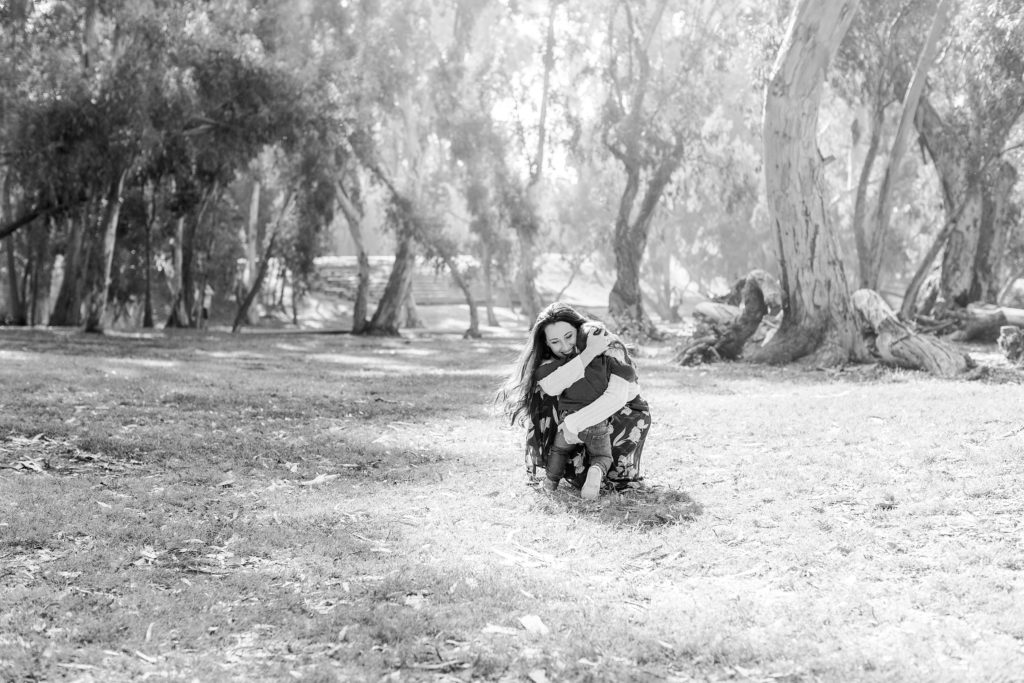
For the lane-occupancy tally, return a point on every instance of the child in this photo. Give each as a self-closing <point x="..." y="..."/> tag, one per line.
<point x="566" y="343"/>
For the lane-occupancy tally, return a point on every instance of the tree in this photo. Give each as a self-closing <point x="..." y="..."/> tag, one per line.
<point x="817" y="316"/>
<point x="965" y="122"/>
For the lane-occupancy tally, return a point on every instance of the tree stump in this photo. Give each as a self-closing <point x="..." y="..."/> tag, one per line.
<point x="1011" y="341"/>
<point x="896" y="344"/>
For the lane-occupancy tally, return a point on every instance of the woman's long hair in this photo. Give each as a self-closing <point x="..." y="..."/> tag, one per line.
<point x="517" y="395"/>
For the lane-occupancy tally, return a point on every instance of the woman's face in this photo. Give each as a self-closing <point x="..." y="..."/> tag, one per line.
<point x="561" y="339"/>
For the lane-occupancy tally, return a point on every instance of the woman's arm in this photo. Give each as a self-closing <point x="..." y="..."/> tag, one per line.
<point x="565" y="376"/>
<point x="604" y="406"/>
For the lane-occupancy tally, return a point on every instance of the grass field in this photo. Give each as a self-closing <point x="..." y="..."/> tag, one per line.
<point x="315" y="507"/>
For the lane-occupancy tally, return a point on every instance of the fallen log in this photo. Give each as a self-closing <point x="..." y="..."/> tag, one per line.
<point x="897" y="344"/>
<point x="722" y="333"/>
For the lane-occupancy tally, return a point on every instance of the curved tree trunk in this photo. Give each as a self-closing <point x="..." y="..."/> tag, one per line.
<point x="354" y="219"/>
<point x="386" y="319"/>
<point x="460" y="281"/>
<point x="817" y="317"/>
<point x="242" y="316"/>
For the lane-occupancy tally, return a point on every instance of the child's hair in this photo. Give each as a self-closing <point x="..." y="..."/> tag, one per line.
<point x="517" y="394"/>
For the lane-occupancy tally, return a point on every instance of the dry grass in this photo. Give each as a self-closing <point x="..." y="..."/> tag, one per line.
<point x="319" y="507"/>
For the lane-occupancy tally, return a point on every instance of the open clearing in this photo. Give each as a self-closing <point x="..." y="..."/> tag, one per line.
<point x="319" y="507"/>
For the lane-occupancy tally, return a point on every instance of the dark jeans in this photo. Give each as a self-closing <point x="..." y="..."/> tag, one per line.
<point x="597" y="440"/>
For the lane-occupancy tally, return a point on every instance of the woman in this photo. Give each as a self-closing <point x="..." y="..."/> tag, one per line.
<point x="527" y="404"/>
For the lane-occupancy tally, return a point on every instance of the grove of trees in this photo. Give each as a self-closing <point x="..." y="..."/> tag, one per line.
<point x="154" y="151"/>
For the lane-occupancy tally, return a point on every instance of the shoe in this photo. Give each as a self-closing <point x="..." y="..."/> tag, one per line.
<point x="592" y="486"/>
<point x="548" y="485"/>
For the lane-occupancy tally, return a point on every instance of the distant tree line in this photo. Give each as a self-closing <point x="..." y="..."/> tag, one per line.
<point x="152" y="151"/>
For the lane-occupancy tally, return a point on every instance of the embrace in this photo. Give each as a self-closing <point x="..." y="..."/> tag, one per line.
<point x="574" y="387"/>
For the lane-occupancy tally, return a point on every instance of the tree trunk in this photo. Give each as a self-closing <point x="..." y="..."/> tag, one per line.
<point x="99" y="292"/>
<point x="460" y="281"/>
<point x="898" y="345"/>
<point x="981" y="208"/>
<point x="386" y="318"/>
<point x="242" y="316"/>
<point x="250" y="238"/>
<point x="151" y="209"/>
<point x="67" y="309"/>
<point x="15" y="302"/>
<point x="817" y="318"/>
<point x="179" y="316"/>
<point x="488" y="268"/>
<point x="861" y="196"/>
<point x="354" y="219"/>
<point x="883" y="207"/>
<point x="526" y="278"/>
<point x="997" y="221"/>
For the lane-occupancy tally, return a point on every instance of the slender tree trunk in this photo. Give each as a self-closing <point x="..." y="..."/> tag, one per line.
<point x="861" y="196"/>
<point x="526" y="278"/>
<point x="151" y="208"/>
<point x="460" y="281"/>
<point x="15" y="302"/>
<point x="488" y="268"/>
<point x="249" y="240"/>
<point x="883" y="207"/>
<point x="40" y="266"/>
<point x="99" y="292"/>
<point x="386" y="318"/>
<point x="354" y="219"/>
<point x="527" y="226"/>
<point x="261" y="273"/>
<point x="179" y="311"/>
<point x="817" y="316"/>
<point x="242" y="316"/>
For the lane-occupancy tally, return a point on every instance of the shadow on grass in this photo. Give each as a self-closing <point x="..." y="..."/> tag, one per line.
<point x="643" y="507"/>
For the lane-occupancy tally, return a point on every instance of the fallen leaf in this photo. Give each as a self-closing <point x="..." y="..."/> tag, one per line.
<point x="319" y="479"/>
<point x="533" y="624"/>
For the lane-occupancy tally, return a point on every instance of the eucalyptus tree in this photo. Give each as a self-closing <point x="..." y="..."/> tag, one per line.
<point x="817" y="314"/>
<point x="967" y="121"/>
